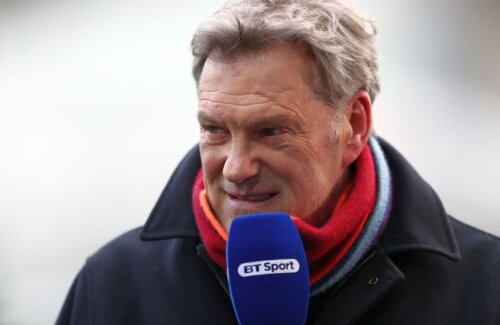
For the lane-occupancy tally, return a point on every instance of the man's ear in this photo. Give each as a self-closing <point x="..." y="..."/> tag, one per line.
<point x="359" y="122"/>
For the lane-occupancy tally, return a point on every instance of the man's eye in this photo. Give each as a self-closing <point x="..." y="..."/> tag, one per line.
<point x="213" y="129"/>
<point x="271" y="132"/>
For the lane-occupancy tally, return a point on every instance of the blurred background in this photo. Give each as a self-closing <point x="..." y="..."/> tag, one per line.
<point x="98" y="106"/>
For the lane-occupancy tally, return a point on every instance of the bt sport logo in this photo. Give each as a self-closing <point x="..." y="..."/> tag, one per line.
<point x="268" y="267"/>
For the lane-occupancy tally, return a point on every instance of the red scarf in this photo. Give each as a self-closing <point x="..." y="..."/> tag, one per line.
<point x="325" y="246"/>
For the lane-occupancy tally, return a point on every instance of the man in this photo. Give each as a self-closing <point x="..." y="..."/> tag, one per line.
<point x="285" y="91"/>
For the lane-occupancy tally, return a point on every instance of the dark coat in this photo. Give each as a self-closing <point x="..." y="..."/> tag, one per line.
<point x="428" y="268"/>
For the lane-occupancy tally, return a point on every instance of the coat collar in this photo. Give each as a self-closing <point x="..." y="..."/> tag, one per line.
<point x="172" y="215"/>
<point x="417" y="221"/>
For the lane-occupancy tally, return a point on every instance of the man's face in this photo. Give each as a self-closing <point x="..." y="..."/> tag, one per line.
<point x="266" y="139"/>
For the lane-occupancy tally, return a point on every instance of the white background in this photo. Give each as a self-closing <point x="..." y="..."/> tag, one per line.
<point x="97" y="106"/>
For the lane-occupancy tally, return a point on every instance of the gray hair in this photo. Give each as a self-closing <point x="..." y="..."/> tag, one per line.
<point x="341" y="41"/>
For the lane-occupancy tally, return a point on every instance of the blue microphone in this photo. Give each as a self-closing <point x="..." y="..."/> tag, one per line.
<point x="267" y="270"/>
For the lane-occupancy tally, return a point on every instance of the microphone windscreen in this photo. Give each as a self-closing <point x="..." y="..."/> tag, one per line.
<point x="267" y="270"/>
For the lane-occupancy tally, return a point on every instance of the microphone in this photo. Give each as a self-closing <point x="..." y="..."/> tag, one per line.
<point x="267" y="270"/>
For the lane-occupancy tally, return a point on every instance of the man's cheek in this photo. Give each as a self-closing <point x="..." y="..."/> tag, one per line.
<point x="212" y="160"/>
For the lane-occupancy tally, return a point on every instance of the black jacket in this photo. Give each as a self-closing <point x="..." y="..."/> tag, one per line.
<point x="428" y="268"/>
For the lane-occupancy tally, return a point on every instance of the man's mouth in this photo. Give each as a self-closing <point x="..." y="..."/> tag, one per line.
<point x="253" y="198"/>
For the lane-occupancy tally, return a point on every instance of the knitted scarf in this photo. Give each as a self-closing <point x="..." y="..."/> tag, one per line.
<point x="334" y="248"/>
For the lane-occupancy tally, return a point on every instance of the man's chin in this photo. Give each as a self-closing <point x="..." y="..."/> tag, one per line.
<point x="230" y="216"/>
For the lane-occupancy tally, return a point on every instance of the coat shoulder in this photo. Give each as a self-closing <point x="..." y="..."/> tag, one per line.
<point x="474" y="241"/>
<point x="125" y="244"/>
<point x="128" y="252"/>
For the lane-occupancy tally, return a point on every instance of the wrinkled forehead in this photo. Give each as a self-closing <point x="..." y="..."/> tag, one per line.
<point x="269" y="64"/>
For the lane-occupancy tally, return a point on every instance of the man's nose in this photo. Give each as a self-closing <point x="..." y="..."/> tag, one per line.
<point x="241" y="163"/>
